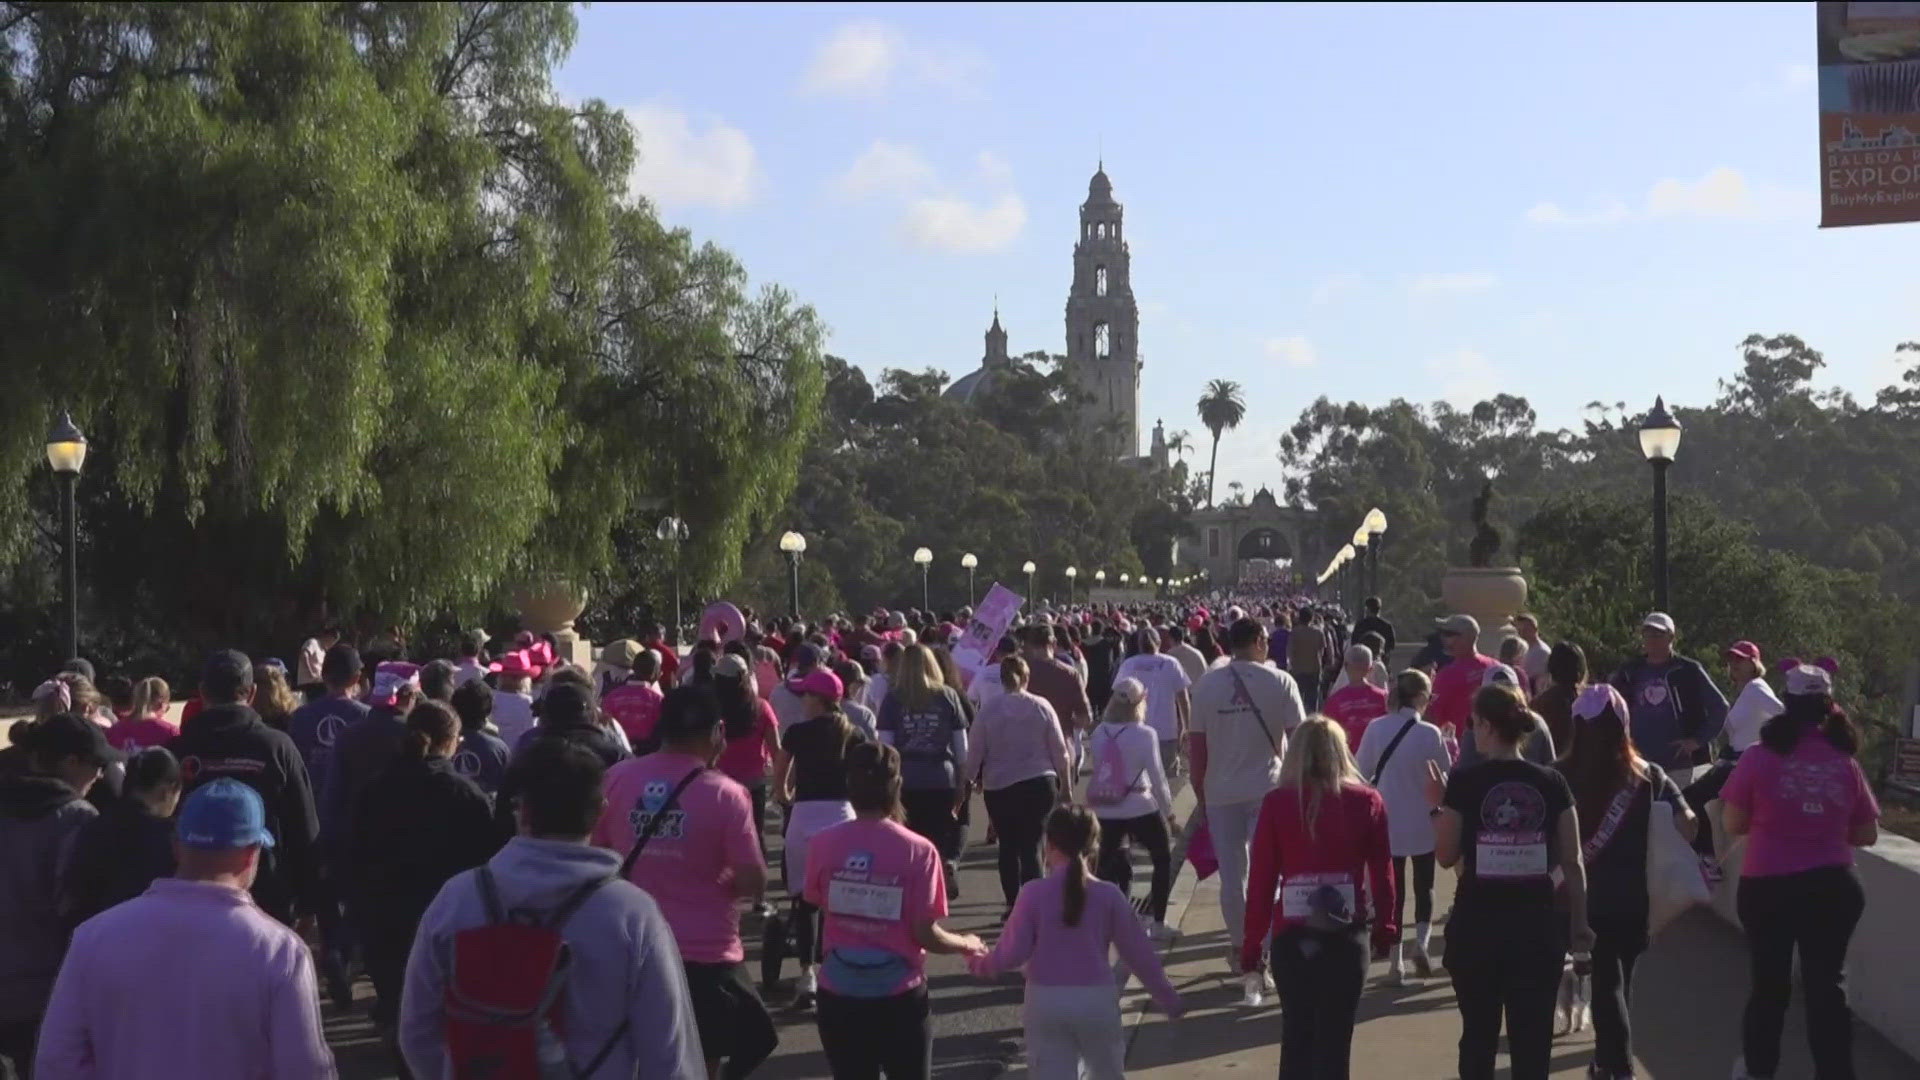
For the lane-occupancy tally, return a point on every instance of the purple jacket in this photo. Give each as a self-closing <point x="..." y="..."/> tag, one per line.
<point x="190" y="979"/>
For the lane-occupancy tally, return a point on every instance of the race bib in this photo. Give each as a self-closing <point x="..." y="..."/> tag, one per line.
<point x="1297" y="892"/>
<point x="1511" y="856"/>
<point x="864" y="900"/>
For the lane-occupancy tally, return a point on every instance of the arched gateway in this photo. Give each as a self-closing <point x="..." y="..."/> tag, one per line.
<point x="1257" y="538"/>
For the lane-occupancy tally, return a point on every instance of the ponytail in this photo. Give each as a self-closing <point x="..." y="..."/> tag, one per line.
<point x="1013" y="673"/>
<point x="873" y="778"/>
<point x="431" y="723"/>
<point x="1073" y="831"/>
<point x="151" y="696"/>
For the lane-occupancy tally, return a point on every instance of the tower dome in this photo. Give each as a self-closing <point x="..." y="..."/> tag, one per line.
<point x="1100" y="189"/>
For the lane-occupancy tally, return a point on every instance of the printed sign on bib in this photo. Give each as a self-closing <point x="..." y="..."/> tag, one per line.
<point x="865" y="900"/>
<point x="1511" y="841"/>
<point x="1297" y="895"/>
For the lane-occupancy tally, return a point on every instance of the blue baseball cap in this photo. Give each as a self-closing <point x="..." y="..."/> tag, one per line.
<point x="222" y="816"/>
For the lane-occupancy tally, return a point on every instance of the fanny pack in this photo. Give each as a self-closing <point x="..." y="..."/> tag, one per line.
<point x="864" y="972"/>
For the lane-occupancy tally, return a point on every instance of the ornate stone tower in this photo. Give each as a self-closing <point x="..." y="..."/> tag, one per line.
<point x="1103" y="322"/>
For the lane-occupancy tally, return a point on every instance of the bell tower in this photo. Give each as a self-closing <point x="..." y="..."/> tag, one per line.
<point x="1103" y="323"/>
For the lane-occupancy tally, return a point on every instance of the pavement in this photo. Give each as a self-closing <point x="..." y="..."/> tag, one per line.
<point x="1689" y="989"/>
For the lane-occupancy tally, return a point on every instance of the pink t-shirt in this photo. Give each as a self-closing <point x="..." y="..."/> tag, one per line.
<point x="138" y="733"/>
<point x="746" y="758"/>
<point x="1803" y="806"/>
<point x="635" y="706"/>
<point x="1353" y="707"/>
<point x="1453" y="690"/>
<point x="875" y="881"/>
<point x="687" y="866"/>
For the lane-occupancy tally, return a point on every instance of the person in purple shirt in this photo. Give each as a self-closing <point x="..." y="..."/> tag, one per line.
<point x="239" y="998"/>
<point x="1063" y="928"/>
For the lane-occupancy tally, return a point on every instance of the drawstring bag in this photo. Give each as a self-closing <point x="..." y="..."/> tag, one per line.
<point x="1200" y="851"/>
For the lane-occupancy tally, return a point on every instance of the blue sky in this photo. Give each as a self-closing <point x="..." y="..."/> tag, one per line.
<point x="1365" y="201"/>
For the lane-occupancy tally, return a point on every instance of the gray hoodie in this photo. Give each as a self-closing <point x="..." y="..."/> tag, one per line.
<point x="626" y="965"/>
<point x="39" y="819"/>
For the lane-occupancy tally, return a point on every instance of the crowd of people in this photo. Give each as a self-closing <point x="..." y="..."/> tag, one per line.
<point x="549" y="869"/>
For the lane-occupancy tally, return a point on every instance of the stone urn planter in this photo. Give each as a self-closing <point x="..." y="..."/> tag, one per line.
<point x="549" y="608"/>
<point x="1493" y="595"/>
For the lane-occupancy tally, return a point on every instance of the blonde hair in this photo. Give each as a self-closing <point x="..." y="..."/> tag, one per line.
<point x="1410" y="684"/>
<point x="1122" y="711"/>
<point x="1013" y="674"/>
<point x="1317" y="763"/>
<point x="151" y="696"/>
<point x="917" y="681"/>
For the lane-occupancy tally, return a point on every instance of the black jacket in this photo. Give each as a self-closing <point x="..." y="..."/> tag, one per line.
<point x="590" y="736"/>
<point x="416" y="825"/>
<point x="232" y="741"/>
<point x="116" y="857"/>
<point x="360" y="755"/>
<point x="1379" y="626"/>
<point x="40" y="818"/>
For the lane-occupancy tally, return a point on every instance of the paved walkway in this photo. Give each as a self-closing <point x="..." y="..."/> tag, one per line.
<point x="1689" y="991"/>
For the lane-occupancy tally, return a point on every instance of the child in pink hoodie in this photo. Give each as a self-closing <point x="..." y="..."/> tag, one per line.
<point x="1062" y="929"/>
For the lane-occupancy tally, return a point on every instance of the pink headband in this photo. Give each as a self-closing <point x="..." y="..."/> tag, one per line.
<point x="1597" y="699"/>
<point x="55" y="688"/>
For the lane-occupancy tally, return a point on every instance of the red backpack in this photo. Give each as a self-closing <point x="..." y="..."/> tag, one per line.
<point x="505" y="998"/>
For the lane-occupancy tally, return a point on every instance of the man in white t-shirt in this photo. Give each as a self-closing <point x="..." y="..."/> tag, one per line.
<point x="1242" y="714"/>
<point x="1192" y="661"/>
<point x="1534" y="661"/>
<point x="313" y="654"/>
<point x="1167" y="700"/>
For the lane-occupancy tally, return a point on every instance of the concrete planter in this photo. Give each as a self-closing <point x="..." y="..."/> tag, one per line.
<point x="1493" y="595"/>
<point x="549" y="608"/>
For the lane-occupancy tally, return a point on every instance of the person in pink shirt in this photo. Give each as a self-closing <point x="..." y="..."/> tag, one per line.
<point x="687" y="832"/>
<point x="146" y="725"/>
<point x="1063" y="928"/>
<point x="1455" y="684"/>
<point x="883" y="895"/>
<point x="635" y="703"/>
<point x="239" y="996"/>
<point x="1804" y="804"/>
<point x="1358" y="703"/>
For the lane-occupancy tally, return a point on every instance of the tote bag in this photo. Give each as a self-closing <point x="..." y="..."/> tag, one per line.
<point x="1674" y="880"/>
<point x="1200" y="852"/>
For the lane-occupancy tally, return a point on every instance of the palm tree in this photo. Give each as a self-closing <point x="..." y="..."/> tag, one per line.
<point x="1179" y="443"/>
<point x="1221" y="409"/>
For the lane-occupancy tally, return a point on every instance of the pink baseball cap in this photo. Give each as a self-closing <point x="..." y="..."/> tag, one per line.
<point x="821" y="683"/>
<point x="1744" y="650"/>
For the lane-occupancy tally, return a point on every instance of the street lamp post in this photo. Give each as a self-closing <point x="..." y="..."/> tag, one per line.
<point x="1072" y="572"/>
<point x="1028" y="570"/>
<point x="969" y="563"/>
<point x="673" y="531"/>
<point x="66" y="453"/>
<point x="1376" y="526"/>
<point x="1360" y="561"/>
<point x="793" y="545"/>
<point x="923" y="558"/>
<point x="1660" y="441"/>
<point x="1099" y="582"/>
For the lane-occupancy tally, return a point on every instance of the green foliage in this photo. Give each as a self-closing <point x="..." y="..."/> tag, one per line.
<point x="360" y="318"/>
<point x="1221" y="408"/>
<point x="1006" y="478"/>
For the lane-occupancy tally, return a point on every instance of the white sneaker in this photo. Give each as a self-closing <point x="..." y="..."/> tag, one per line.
<point x="1266" y="982"/>
<point x="809" y="986"/>
<point x="1250" y="990"/>
<point x="1156" y="930"/>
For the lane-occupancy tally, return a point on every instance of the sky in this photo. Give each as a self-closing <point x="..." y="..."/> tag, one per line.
<point x="1363" y="201"/>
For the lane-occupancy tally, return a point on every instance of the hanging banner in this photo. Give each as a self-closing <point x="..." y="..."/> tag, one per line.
<point x="989" y="625"/>
<point x="1869" y="112"/>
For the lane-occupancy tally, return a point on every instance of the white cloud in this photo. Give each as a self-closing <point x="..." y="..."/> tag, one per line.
<point x="947" y="223"/>
<point x="1723" y="193"/>
<point x="1465" y="377"/>
<point x="1458" y="283"/>
<point x="1334" y="288"/>
<point x="885" y="168"/>
<point x="993" y="168"/>
<point x="866" y="58"/>
<point x="1293" y="350"/>
<point x="680" y="166"/>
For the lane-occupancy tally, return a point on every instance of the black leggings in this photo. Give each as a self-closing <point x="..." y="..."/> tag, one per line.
<point x="865" y="1038"/>
<point x="1815" y="911"/>
<point x="1422" y="886"/>
<point x="1319" y="977"/>
<point x="1617" y="945"/>
<point x="1703" y="791"/>
<point x="1019" y="815"/>
<point x="1506" y="968"/>
<point x="930" y="813"/>
<point x="759" y="795"/>
<point x="1116" y="863"/>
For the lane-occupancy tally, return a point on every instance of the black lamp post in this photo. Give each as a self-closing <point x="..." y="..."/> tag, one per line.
<point x="672" y="530"/>
<point x="793" y="545"/>
<point x="923" y="558"/>
<point x="1659" y="442"/>
<point x="969" y="563"/>
<point x="1028" y="569"/>
<point x="66" y="453"/>
<point x="1376" y="526"/>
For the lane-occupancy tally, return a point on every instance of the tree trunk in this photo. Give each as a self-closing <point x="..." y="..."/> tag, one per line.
<point x="1213" y="463"/>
